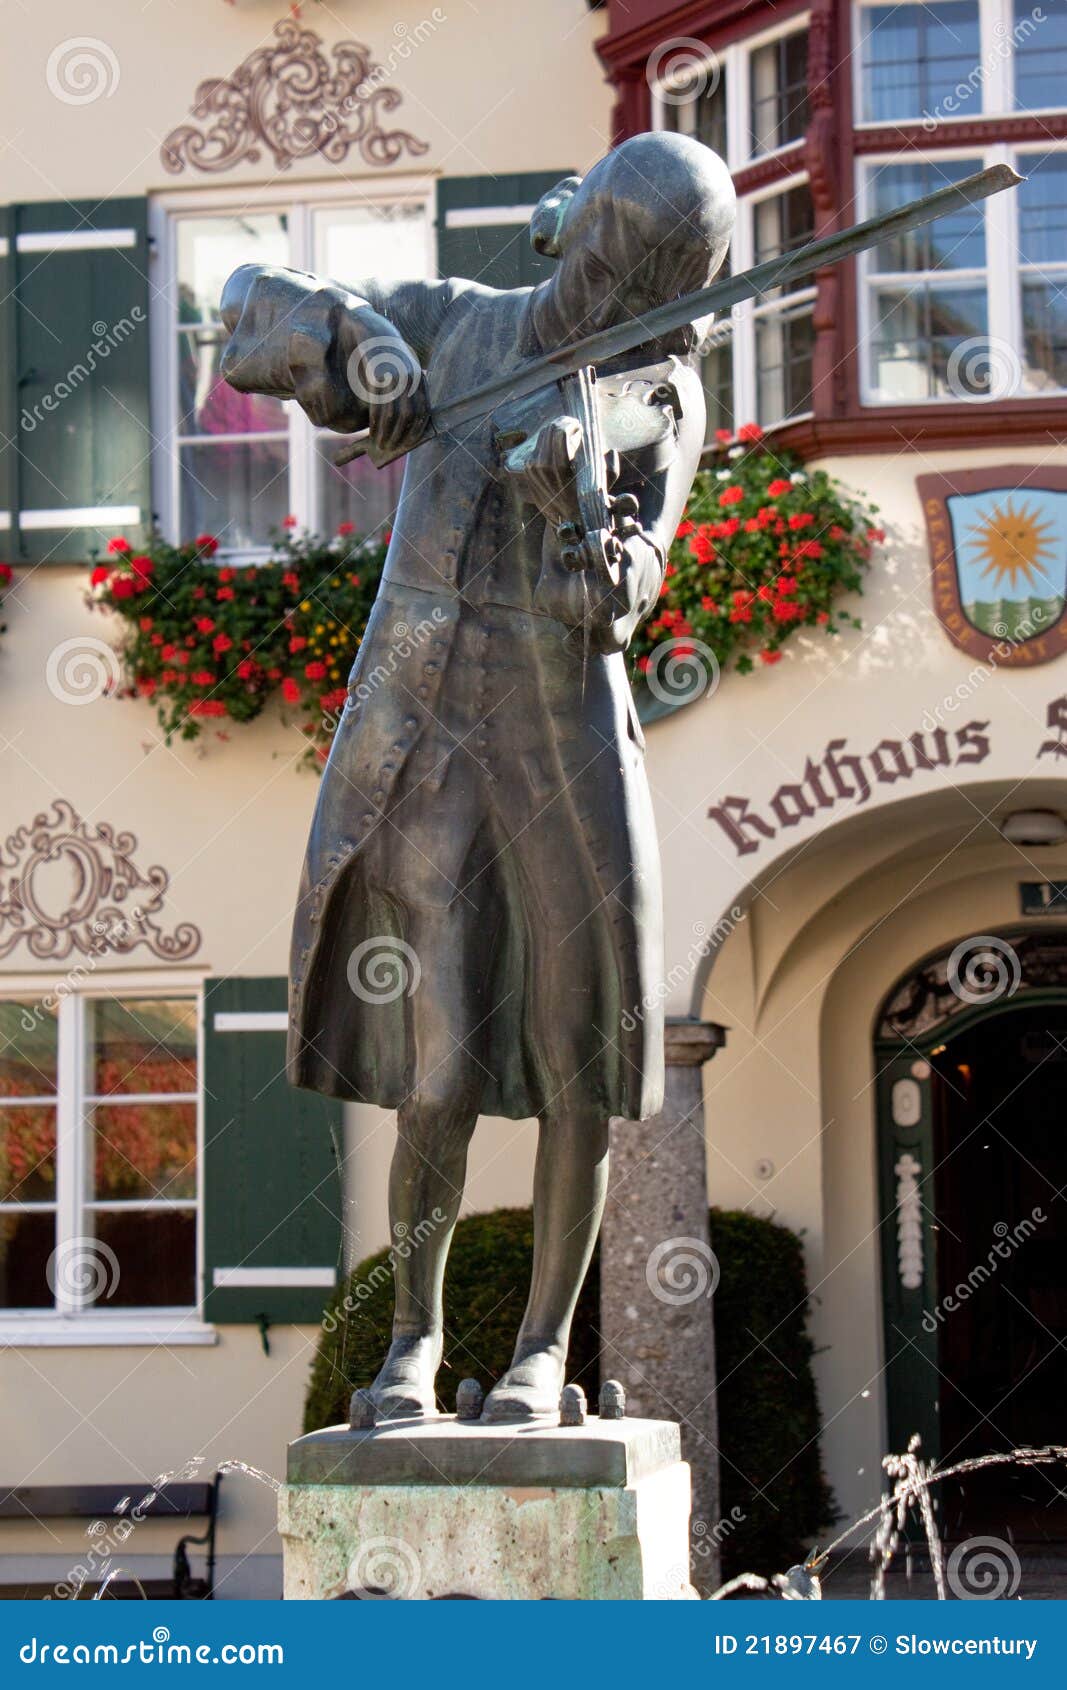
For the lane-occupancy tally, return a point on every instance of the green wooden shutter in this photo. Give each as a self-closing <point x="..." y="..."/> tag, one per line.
<point x="483" y="228"/>
<point x="9" y="445"/>
<point x="909" y="1266"/>
<point x="76" y="335"/>
<point x="272" y="1196"/>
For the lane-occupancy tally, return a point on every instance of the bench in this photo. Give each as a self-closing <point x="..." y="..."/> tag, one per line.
<point x="102" y="1503"/>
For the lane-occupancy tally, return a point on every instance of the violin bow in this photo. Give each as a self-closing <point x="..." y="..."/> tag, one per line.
<point x="678" y="313"/>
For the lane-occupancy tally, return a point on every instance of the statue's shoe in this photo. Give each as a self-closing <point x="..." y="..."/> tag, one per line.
<point x="404" y="1388"/>
<point x="528" y="1391"/>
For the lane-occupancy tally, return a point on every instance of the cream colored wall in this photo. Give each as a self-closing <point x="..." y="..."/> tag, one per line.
<point x="898" y="675"/>
<point x="474" y="82"/>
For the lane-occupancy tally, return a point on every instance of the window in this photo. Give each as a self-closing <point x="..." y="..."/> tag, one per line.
<point x="972" y="306"/>
<point x="959" y="58"/>
<point x="778" y="93"/>
<point x="99" y="1110"/>
<point x="758" y="367"/>
<point x="1040" y="40"/>
<point x="235" y="465"/>
<point x="919" y="61"/>
<point x="1042" y="219"/>
<point x="927" y="292"/>
<point x="750" y="99"/>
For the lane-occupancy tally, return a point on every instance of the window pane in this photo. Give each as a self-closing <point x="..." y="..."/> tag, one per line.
<point x="210" y="248"/>
<point x="238" y="492"/>
<point x="209" y="405"/>
<point x="778" y="91"/>
<point x="357" y="492"/>
<point x="781" y="223"/>
<point x="28" y="1045"/>
<point x="386" y="241"/>
<point x="27" y="1153"/>
<point x="1042" y="201"/>
<point x="1040" y="38"/>
<point x="951" y="243"/>
<point x="784" y="342"/>
<point x="718" y="376"/>
<point x="914" y="334"/>
<point x="143" y="1150"/>
<point x="920" y="61"/>
<point x="699" y="109"/>
<point x="1045" y="333"/>
<point x="26" y="1246"/>
<point x="141" y="1045"/>
<point x="152" y="1259"/>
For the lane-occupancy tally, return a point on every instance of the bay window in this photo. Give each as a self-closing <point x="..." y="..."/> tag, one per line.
<point x="235" y="465"/>
<point x="99" y="1113"/>
<point x="748" y="100"/>
<point x="971" y="306"/>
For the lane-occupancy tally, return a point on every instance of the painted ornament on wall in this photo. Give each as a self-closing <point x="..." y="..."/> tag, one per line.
<point x="68" y="885"/>
<point x="289" y="100"/>
<point x="998" y="551"/>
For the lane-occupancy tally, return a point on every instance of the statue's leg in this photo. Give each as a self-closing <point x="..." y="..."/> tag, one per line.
<point x="434" y="1127"/>
<point x="570" y="1185"/>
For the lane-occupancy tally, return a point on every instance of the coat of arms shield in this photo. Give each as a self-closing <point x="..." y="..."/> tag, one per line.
<point x="998" y="551"/>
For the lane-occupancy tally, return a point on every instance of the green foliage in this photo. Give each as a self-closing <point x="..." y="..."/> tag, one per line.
<point x="768" y="1415"/>
<point x="485" y="1293"/>
<point x="207" y="642"/>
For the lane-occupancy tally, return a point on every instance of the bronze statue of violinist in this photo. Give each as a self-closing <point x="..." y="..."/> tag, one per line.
<point x="484" y="814"/>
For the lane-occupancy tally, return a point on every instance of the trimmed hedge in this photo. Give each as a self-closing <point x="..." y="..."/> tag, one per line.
<point x="768" y="1413"/>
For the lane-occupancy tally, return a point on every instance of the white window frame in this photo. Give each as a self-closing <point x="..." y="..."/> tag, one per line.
<point x="996" y="26"/>
<point x="68" y="1324"/>
<point x="747" y="313"/>
<point x="298" y="203"/>
<point x="1003" y="272"/>
<point x="734" y="61"/>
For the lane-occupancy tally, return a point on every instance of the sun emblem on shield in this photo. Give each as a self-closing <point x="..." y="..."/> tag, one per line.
<point x="998" y="543"/>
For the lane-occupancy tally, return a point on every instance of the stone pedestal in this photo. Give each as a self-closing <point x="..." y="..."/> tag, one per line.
<point x="427" y="1510"/>
<point x="658" y="1274"/>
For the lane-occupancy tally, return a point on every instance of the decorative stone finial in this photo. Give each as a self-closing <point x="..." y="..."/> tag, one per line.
<point x="612" y="1400"/>
<point x="361" y="1412"/>
<point x="572" y="1406"/>
<point x="469" y="1399"/>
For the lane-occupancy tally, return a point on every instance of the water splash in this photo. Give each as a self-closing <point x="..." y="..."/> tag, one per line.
<point x="119" y="1572"/>
<point x="251" y="1473"/>
<point x="912" y="1483"/>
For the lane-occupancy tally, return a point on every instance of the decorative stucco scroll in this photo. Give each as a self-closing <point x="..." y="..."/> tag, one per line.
<point x="68" y="885"/>
<point x="288" y="98"/>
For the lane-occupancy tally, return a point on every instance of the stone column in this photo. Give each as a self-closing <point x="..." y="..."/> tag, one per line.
<point x="658" y="1274"/>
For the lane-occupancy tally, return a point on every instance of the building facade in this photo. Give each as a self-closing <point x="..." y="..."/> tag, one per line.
<point x="858" y="843"/>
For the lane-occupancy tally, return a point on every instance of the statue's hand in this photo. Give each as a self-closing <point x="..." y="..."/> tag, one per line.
<point x="385" y="375"/>
<point x="542" y="470"/>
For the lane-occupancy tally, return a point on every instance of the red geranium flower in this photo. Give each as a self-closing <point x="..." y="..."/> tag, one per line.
<point x="124" y="586"/>
<point x="297" y="643"/>
<point x="346" y="528"/>
<point x="225" y="593"/>
<point x="207" y="707"/>
<point x="118" y="545"/>
<point x="723" y="436"/>
<point x="221" y="643"/>
<point x="778" y="487"/>
<point x="291" y="690"/>
<point x="6" y="572"/>
<point x="203" y="678"/>
<point x="684" y="528"/>
<point x="749" y="432"/>
<point x="99" y="574"/>
<point x="770" y="656"/>
<point x="315" y="671"/>
<point x="731" y="495"/>
<point x="291" y="581"/>
<point x="288" y="521"/>
<point x="205" y="624"/>
<point x="206" y="543"/>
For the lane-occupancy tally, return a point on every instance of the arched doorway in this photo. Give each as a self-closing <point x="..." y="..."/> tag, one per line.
<point x="971" y="1060"/>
